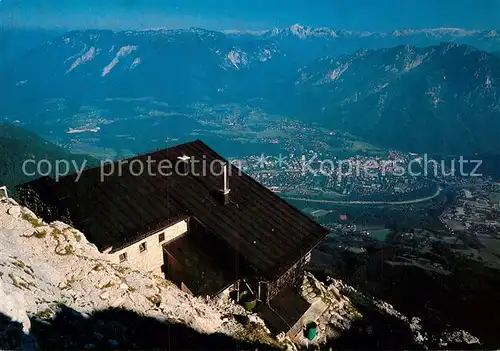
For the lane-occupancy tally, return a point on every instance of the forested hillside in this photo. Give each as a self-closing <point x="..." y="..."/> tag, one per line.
<point x="18" y="145"/>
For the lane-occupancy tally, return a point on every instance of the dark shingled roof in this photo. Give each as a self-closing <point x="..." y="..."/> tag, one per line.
<point x="267" y="231"/>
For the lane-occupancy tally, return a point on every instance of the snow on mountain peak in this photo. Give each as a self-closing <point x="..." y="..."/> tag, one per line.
<point x="413" y="62"/>
<point x="123" y="52"/>
<point x="302" y="32"/>
<point x="488" y="83"/>
<point x="336" y="73"/>
<point x="87" y="56"/>
<point x="299" y="30"/>
<point x="237" y="57"/>
<point x="240" y="32"/>
<point x="265" y="55"/>
<point x="437" y="32"/>
<point x="137" y="62"/>
<point x="275" y="31"/>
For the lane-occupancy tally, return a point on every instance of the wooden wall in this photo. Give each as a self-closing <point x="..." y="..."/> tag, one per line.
<point x="293" y="277"/>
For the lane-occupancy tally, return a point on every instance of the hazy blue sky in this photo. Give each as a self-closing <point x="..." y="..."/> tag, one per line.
<point x="383" y="15"/>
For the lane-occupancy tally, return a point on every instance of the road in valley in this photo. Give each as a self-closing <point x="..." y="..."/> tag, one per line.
<point x="406" y="202"/>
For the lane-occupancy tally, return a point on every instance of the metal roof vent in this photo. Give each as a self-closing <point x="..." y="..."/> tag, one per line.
<point x="223" y="193"/>
<point x="226" y="189"/>
<point x="182" y="166"/>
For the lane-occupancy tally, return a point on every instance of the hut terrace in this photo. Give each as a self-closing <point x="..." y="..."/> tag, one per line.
<point x="210" y="231"/>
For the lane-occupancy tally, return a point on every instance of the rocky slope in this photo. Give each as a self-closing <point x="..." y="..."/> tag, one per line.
<point x="353" y="320"/>
<point x="44" y="267"/>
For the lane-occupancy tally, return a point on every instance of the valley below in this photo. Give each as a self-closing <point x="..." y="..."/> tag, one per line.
<point x="416" y="241"/>
<point x="400" y="237"/>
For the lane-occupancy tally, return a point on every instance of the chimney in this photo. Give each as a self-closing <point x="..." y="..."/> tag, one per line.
<point x="182" y="165"/>
<point x="226" y="180"/>
<point x="223" y="193"/>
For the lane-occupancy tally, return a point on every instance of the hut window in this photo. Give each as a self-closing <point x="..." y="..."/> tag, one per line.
<point x="161" y="237"/>
<point x="142" y="247"/>
<point x="123" y="257"/>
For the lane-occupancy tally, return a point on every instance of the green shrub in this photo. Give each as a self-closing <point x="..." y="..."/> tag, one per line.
<point x="40" y="234"/>
<point x="35" y="222"/>
<point x="44" y="314"/>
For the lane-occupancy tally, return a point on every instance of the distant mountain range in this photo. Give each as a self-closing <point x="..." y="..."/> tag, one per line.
<point x="440" y="98"/>
<point x="483" y="39"/>
<point x="428" y="96"/>
<point x="302" y="32"/>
